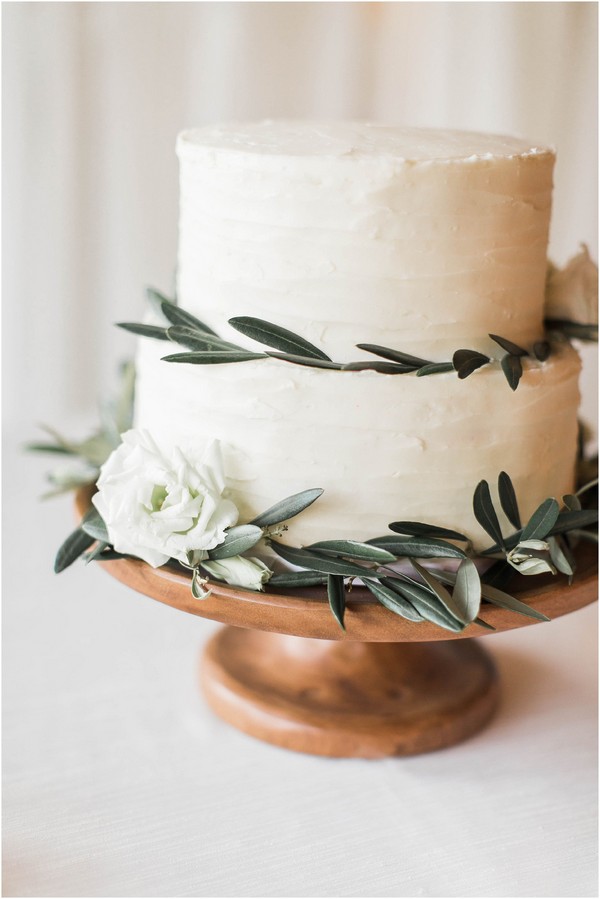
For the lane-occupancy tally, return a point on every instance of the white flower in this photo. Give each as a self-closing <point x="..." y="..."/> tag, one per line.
<point x="158" y="507"/>
<point x="241" y="572"/>
<point x="532" y="557"/>
<point x="572" y="291"/>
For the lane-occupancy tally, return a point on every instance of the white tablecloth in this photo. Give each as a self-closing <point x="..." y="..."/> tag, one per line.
<point x="118" y="781"/>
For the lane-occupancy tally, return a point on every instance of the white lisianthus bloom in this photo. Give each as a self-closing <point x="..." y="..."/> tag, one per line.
<point x="240" y="572"/>
<point x="572" y="291"/>
<point x="532" y="557"/>
<point x="158" y="507"/>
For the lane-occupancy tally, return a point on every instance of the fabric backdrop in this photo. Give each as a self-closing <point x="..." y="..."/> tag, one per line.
<point x="95" y="93"/>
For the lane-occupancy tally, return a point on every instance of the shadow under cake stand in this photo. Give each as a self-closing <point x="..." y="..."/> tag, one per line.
<point x="284" y="671"/>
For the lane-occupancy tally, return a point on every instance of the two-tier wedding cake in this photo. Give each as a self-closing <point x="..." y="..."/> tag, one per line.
<point x="419" y="241"/>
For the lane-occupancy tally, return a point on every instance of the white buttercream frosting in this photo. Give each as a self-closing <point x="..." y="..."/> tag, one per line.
<point x="383" y="447"/>
<point x="354" y="233"/>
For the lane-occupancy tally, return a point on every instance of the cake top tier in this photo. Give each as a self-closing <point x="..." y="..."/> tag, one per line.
<point x="354" y="139"/>
<point x="346" y="233"/>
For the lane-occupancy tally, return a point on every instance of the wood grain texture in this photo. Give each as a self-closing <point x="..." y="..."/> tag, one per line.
<point x="346" y="700"/>
<point x="285" y="672"/>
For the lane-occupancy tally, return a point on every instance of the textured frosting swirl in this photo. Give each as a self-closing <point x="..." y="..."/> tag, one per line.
<point x="357" y="233"/>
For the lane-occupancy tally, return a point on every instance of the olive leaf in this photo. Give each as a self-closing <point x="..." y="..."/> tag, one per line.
<point x="420" y="529"/>
<point x="277" y="337"/>
<point x="213" y="357"/>
<point x="144" y="330"/>
<point x="96" y="552"/>
<point x="328" y="565"/>
<point x="506" y="601"/>
<point x="561" y="556"/>
<point x="435" y="368"/>
<point x="466" y="596"/>
<point x="510" y="347"/>
<point x="73" y="547"/>
<point x="571" y="503"/>
<point x="352" y="549"/>
<point x="419" y="547"/>
<point x="287" y="508"/>
<point x="93" y="525"/>
<point x="198" y="340"/>
<point x="573" y="329"/>
<point x="541" y="350"/>
<point x="336" y="594"/>
<point x="156" y="299"/>
<point x="568" y="521"/>
<point x="49" y="448"/>
<point x="499" y="574"/>
<point x="542" y="521"/>
<point x="237" y="540"/>
<point x="178" y="316"/>
<point x="467" y="361"/>
<point x="411" y="362"/>
<point x="513" y="369"/>
<point x="508" y="499"/>
<point x="424" y="601"/>
<point x="458" y="609"/>
<point x="393" y="601"/>
<point x="588" y="486"/>
<point x="298" y="579"/>
<point x="385" y="368"/>
<point x="486" y="514"/>
<point x="306" y="361"/>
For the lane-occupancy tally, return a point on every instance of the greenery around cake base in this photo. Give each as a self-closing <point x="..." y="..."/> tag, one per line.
<point x="451" y="599"/>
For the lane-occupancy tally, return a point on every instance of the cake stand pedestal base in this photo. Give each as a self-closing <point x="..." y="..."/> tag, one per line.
<point x="349" y="699"/>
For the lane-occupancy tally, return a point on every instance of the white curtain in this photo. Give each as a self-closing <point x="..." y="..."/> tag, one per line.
<point x="95" y="93"/>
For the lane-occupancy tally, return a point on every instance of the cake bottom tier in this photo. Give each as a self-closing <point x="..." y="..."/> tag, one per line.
<point x="383" y="447"/>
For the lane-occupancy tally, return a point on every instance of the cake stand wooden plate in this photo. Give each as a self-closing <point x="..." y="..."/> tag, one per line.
<point x="284" y="671"/>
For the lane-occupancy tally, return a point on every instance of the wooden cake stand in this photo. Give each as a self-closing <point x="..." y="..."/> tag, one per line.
<point x="284" y="671"/>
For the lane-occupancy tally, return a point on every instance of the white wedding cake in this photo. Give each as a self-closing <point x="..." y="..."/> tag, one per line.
<point x="422" y="241"/>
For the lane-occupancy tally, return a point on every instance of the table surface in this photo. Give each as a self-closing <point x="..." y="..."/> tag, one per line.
<point x="118" y="781"/>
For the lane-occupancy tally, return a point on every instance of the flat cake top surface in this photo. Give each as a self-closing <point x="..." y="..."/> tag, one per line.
<point x="354" y="139"/>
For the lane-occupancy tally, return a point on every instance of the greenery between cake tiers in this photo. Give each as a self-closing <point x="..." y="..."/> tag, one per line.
<point x="205" y="347"/>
